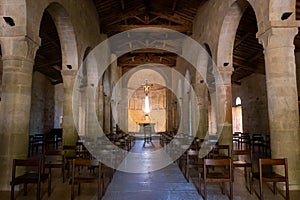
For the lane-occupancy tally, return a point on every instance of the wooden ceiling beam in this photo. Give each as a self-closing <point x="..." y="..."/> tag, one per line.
<point x="122" y="5"/>
<point x="121" y="16"/>
<point x="174" y="5"/>
<point x="173" y="18"/>
<point x="121" y="28"/>
<point x="239" y="42"/>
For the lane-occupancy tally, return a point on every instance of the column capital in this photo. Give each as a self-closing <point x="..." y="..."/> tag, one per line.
<point x="19" y="48"/>
<point x="223" y="76"/>
<point x="68" y="77"/>
<point x="278" y="37"/>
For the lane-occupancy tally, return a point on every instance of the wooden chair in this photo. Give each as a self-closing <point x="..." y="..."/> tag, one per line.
<point x="84" y="171"/>
<point x="32" y="174"/>
<point x="221" y="174"/>
<point x="55" y="159"/>
<point x="70" y="154"/>
<point x="192" y="162"/>
<point x="258" y="140"/>
<point x="246" y="140"/>
<point x="246" y="163"/>
<point x="270" y="176"/>
<point x="221" y="151"/>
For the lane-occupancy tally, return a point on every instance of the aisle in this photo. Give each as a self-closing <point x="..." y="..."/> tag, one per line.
<point x="166" y="183"/>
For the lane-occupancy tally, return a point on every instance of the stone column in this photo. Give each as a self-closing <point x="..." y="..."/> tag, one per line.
<point x="223" y="103"/>
<point x="201" y="98"/>
<point x="70" y="135"/>
<point x="99" y="98"/>
<point x="114" y="75"/>
<point x="283" y="98"/>
<point x="212" y="129"/>
<point x="18" y="59"/>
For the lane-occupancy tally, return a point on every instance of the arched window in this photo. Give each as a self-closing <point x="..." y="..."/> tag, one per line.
<point x="238" y="101"/>
<point x="237" y="116"/>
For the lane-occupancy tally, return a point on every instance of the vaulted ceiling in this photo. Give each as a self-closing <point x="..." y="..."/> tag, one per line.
<point x="116" y="16"/>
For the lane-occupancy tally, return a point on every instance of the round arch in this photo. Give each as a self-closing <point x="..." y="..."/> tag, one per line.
<point x="66" y="35"/>
<point x="228" y="32"/>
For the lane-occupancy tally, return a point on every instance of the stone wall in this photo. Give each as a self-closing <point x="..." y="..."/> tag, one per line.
<point x="42" y="105"/>
<point x="252" y="92"/>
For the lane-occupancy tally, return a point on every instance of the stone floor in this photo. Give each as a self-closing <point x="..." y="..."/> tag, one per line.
<point x="164" y="184"/>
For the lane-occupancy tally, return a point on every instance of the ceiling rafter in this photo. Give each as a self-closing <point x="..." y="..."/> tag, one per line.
<point x="121" y="28"/>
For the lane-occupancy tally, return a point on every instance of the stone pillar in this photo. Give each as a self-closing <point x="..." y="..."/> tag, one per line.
<point x="18" y="60"/>
<point x="201" y="98"/>
<point x="70" y="135"/>
<point x="99" y="98"/>
<point x="283" y="98"/>
<point x="212" y="129"/>
<point x="114" y="75"/>
<point x="223" y="103"/>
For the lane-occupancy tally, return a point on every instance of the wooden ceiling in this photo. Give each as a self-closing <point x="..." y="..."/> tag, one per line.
<point x="116" y="16"/>
<point x="48" y="57"/>
<point x="248" y="54"/>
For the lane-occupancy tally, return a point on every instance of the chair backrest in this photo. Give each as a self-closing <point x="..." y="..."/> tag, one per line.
<point x="33" y="164"/>
<point x="223" y="148"/>
<point x="70" y="150"/>
<point x="274" y="162"/>
<point x="226" y="163"/>
<point x="57" y="154"/>
<point x="246" y="152"/>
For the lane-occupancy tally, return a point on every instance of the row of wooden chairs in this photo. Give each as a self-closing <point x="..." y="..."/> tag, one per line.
<point x="212" y="161"/>
<point x="40" y="170"/>
<point x="258" y="142"/>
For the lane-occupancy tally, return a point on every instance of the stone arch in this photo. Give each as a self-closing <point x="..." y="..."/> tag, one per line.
<point x="147" y="104"/>
<point x="84" y="67"/>
<point x="282" y="10"/>
<point x="211" y="96"/>
<point x="228" y="32"/>
<point x="66" y="35"/>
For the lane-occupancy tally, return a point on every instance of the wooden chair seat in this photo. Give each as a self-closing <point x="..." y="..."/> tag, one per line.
<point x="270" y="176"/>
<point x="221" y="177"/>
<point x="241" y="163"/>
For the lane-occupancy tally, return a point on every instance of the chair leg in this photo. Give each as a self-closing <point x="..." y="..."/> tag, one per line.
<point x="287" y="191"/>
<point x="38" y="192"/>
<point x="49" y="183"/>
<point x="274" y="188"/>
<point x="250" y="182"/>
<point x="25" y="189"/>
<point x="72" y="190"/>
<point x="12" y="192"/>
<point x="223" y="188"/>
<point x="63" y="174"/>
<point x="261" y="189"/>
<point x="205" y="191"/>
<point x="187" y="174"/>
<point x="78" y="189"/>
<point x="231" y="190"/>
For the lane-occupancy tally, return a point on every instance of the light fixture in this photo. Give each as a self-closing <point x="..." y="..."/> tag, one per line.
<point x="147" y="100"/>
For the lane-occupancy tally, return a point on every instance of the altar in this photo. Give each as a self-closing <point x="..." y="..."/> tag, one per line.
<point x="147" y="129"/>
